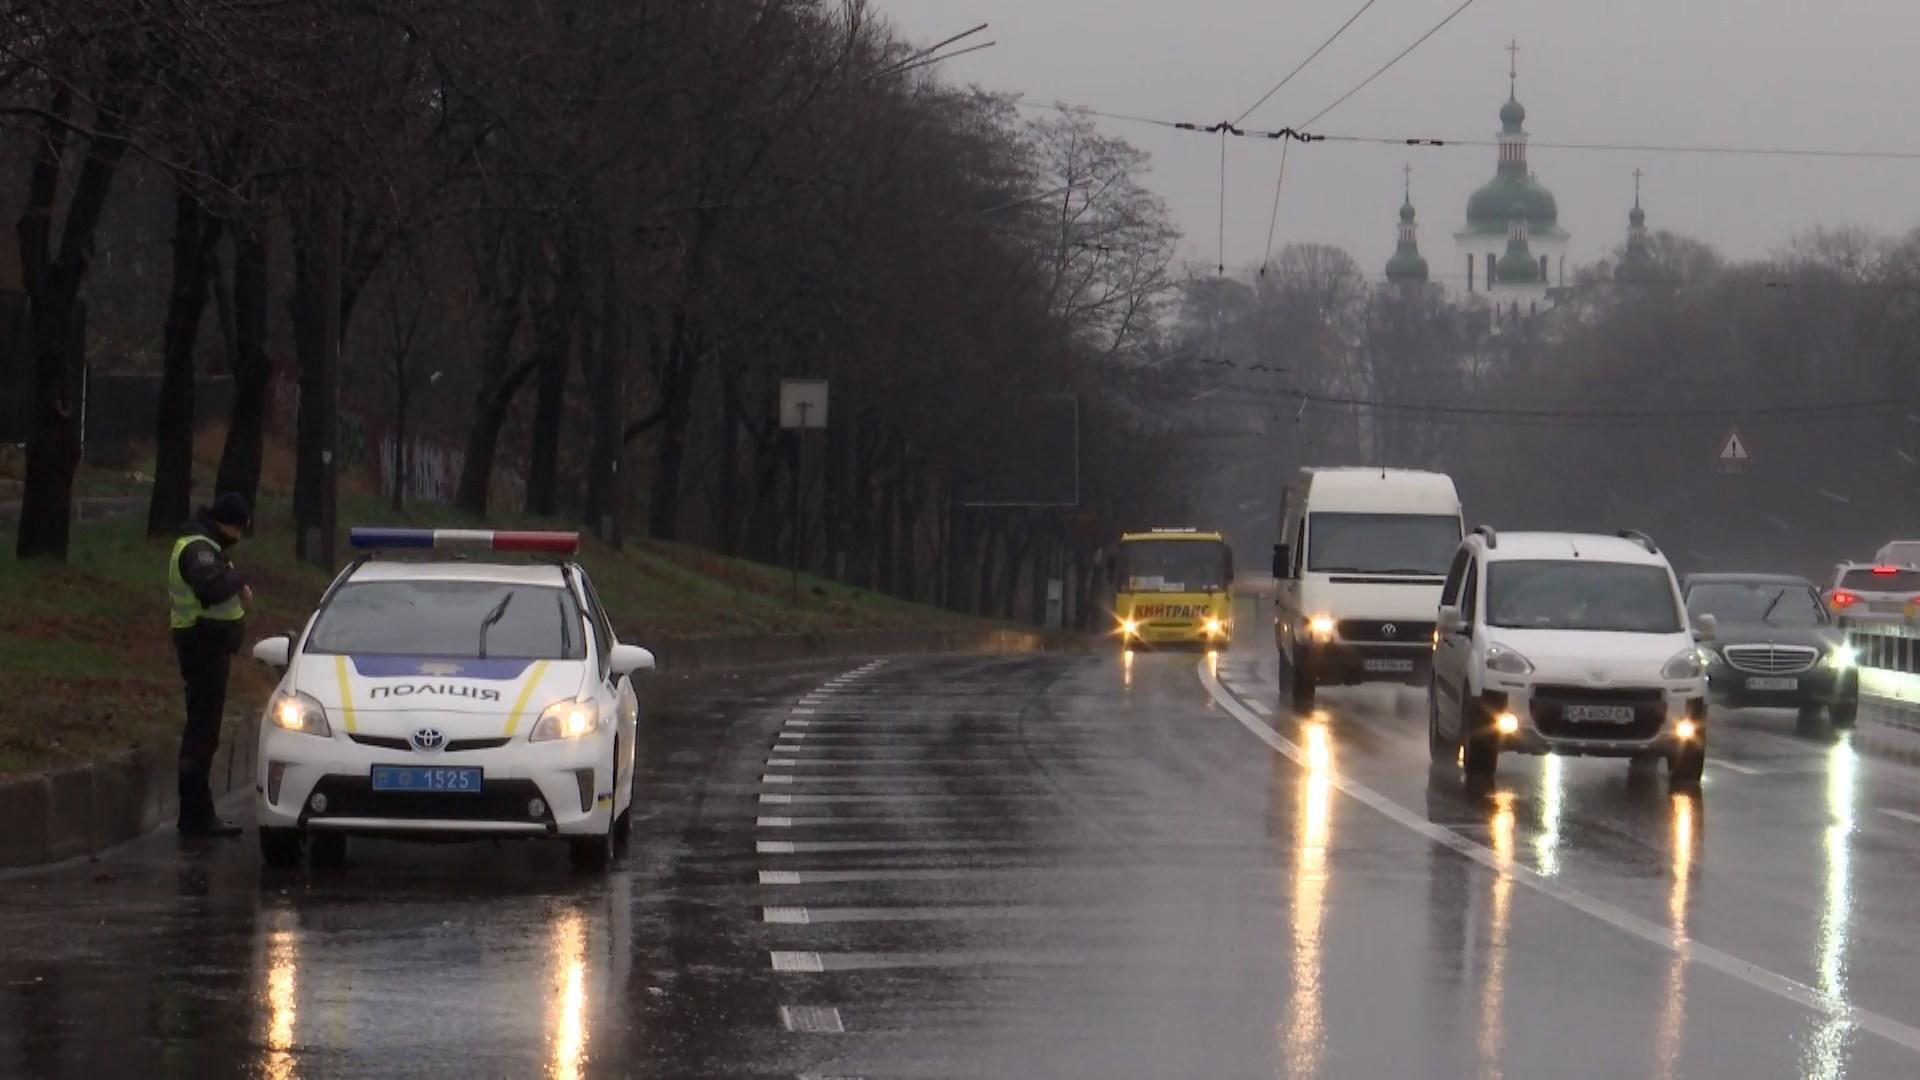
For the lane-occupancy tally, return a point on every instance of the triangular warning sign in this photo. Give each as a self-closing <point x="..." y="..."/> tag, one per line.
<point x="1733" y="449"/>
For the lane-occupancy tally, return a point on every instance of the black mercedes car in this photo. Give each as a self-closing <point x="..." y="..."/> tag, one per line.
<point x="1775" y="646"/>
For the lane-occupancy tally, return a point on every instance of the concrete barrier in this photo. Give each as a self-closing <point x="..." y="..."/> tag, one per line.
<point x="52" y="817"/>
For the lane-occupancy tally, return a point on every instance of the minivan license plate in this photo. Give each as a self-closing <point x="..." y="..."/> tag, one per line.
<point x="1390" y="667"/>
<point x="1599" y="714"/>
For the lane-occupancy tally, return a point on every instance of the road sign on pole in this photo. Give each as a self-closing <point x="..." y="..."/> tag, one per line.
<point x="1734" y="456"/>
<point x="803" y="408"/>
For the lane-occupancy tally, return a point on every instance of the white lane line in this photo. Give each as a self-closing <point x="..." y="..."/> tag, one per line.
<point x="1688" y="949"/>
<point x="1734" y="766"/>
<point x="775" y="778"/>
<point x="796" y="961"/>
<point x="773" y="823"/>
<point x="773" y="847"/>
<point x="811" y="1019"/>
<point x="785" y="916"/>
<point x="776" y="800"/>
<point x="1902" y="815"/>
<point x="789" y="847"/>
<point x="779" y="877"/>
<point x="782" y="762"/>
<point x="801" y="712"/>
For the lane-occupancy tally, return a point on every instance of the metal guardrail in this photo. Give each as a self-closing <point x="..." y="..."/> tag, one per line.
<point x="1893" y="648"/>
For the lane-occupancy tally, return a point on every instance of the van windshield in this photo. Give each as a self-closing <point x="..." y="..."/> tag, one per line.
<point x="1381" y="543"/>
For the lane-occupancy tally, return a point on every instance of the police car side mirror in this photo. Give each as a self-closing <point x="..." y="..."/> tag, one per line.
<point x="275" y="652"/>
<point x="630" y="660"/>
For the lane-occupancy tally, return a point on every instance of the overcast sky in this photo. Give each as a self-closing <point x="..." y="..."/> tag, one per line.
<point x="1839" y="74"/>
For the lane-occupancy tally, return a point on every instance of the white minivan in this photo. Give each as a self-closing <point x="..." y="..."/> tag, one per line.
<point x="1358" y="570"/>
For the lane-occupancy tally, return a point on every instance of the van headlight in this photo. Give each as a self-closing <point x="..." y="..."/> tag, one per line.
<point x="566" y="720"/>
<point x="290" y="710"/>
<point x="1843" y="657"/>
<point x="1689" y="664"/>
<point x="1504" y="661"/>
<point x="1321" y="627"/>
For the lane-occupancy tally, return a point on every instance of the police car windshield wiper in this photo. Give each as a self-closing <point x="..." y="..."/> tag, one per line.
<point x="499" y="611"/>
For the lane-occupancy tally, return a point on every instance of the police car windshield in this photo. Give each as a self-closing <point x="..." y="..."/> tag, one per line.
<point x="454" y="619"/>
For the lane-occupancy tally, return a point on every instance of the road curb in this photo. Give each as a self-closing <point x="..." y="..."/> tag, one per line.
<point x="55" y="817"/>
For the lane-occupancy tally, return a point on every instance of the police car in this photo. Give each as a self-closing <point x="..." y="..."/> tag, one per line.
<point x="449" y="698"/>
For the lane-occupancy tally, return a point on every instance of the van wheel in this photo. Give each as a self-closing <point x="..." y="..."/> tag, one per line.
<point x="1437" y="749"/>
<point x="1301" y="679"/>
<point x="1479" y="748"/>
<point x="1687" y="765"/>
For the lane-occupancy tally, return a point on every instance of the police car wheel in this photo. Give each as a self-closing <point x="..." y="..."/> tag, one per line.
<point x="592" y="854"/>
<point x="327" y="850"/>
<point x="281" y="848"/>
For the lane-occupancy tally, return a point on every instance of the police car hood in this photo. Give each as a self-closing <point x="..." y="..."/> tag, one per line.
<point x="372" y="685"/>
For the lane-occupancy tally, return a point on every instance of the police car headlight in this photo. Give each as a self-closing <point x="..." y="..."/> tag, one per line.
<point x="299" y="713"/>
<point x="566" y="720"/>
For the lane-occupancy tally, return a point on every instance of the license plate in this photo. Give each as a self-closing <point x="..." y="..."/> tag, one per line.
<point x="426" y="778"/>
<point x="1599" y="714"/>
<point x="1395" y="667"/>
<point x="1773" y="684"/>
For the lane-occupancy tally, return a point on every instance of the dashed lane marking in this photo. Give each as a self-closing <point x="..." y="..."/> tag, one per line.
<point x="773" y="823"/>
<point x="796" y="961"/>
<point x="821" y="847"/>
<point x="779" y="877"/>
<point x="785" y="916"/>
<point x="775" y="778"/>
<point x="811" y="1019"/>
<point x="776" y="800"/>
<point x="1902" y="815"/>
<point x="1734" y="766"/>
<point x="774" y="847"/>
<point x="1687" y="948"/>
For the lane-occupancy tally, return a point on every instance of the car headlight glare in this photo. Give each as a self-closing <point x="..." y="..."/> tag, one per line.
<point x="1843" y="658"/>
<point x="566" y="720"/>
<point x="1504" y="661"/>
<point x="1130" y="627"/>
<point x="1214" y="625"/>
<point x="297" y="712"/>
<point x="1689" y="664"/>
<point x="1321" y="627"/>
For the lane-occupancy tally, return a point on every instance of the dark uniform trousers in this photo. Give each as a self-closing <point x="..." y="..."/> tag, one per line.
<point x="205" y="651"/>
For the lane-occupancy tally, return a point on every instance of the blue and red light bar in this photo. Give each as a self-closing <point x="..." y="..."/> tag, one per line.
<point x="541" y="543"/>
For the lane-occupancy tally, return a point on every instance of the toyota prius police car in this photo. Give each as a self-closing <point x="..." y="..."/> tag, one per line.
<point x="451" y="698"/>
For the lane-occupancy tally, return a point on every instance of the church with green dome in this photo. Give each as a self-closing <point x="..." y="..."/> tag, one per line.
<point x="1408" y="266"/>
<point x="1512" y="246"/>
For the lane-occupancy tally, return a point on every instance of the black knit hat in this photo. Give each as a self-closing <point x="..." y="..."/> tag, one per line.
<point x="231" y="509"/>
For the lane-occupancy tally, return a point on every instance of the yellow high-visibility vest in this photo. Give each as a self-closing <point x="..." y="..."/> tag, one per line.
<point x="186" y="608"/>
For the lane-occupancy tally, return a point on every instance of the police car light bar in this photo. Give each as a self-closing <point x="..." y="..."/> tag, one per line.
<point x="545" y="543"/>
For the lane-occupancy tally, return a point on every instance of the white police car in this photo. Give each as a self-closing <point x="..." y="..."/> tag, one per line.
<point x="449" y="699"/>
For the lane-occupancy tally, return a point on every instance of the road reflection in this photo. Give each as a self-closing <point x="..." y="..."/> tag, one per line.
<point x="276" y="989"/>
<point x="1306" y="1031"/>
<point x="1828" y="1048"/>
<point x="1673" y="1012"/>
<point x="1493" y="987"/>
<point x="1551" y="803"/>
<point x="567" y="1018"/>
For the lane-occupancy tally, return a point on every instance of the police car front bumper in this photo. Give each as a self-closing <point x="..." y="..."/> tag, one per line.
<point x="559" y="788"/>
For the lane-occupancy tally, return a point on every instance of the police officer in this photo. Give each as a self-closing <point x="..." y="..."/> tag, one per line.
<point x="209" y="602"/>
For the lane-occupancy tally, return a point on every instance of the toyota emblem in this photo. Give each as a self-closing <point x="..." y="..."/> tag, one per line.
<point x="429" y="739"/>
<point x="1389" y="631"/>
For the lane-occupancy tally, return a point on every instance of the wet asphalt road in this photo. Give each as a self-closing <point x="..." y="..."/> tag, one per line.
<point x="1051" y="866"/>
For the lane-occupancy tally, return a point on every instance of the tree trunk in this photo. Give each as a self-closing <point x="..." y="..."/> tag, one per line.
<point x="606" y="510"/>
<point x="252" y="370"/>
<point x="726" y="509"/>
<point x="552" y="353"/>
<point x="398" y="496"/>
<point x="663" y="505"/>
<point x="196" y="233"/>
<point x="53" y="291"/>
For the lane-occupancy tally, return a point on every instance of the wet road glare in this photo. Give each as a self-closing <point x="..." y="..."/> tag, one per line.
<point x="1042" y="866"/>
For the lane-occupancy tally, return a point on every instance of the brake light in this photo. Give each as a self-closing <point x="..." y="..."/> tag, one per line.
<point x="1885" y="571"/>
<point x="1844" y="599"/>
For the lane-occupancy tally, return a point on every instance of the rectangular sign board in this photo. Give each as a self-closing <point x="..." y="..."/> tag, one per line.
<point x="803" y="404"/>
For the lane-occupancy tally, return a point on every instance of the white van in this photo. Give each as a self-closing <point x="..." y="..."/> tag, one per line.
<point x="1358" y="571"/>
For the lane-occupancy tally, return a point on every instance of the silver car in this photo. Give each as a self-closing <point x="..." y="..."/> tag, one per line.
<point x="1874" y="594"/>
